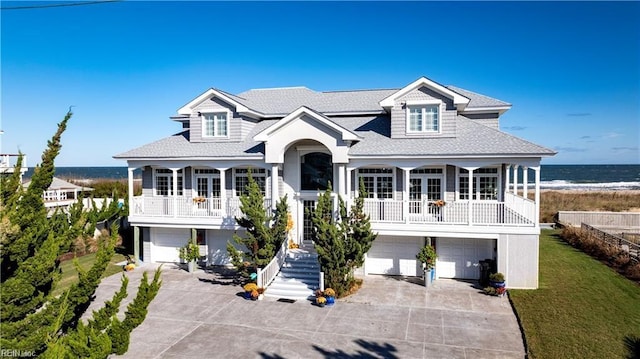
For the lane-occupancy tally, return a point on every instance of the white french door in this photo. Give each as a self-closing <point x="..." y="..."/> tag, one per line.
<point x="422" y="190"/>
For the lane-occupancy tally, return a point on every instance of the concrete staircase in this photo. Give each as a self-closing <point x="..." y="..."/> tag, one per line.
<point x="299" y="277"/>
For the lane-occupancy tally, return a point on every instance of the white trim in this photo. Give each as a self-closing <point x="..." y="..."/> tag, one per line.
<point x="499" y="109"/>
<point x="203" y="119"/>
<point x="458" y="100"/>
<point x="297" y="114"/>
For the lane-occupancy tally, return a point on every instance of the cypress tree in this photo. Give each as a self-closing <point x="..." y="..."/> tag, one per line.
<point x="342" y="240"/>
<point x="264" y="232"/>
<point x="31" y="319"/>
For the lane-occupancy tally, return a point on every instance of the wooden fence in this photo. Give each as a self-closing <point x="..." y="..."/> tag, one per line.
<point x="600" y="219"/>
<point x="631" y="247"/>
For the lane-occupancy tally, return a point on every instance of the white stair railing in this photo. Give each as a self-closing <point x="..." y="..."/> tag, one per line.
<point x="267" y="274"/>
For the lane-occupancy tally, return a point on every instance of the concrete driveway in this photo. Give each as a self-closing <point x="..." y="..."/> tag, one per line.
<point x="202" y="315"/>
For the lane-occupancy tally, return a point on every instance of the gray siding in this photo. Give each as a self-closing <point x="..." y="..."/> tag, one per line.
<point x="450" y="186"/>
<point x="399" y="184"/>
<point x="399" y="116"/>
<point x="187" y="178"/>
<point x="239" y="126"/>
<point x="488" y="119"/>
<point x="147" y="181"/>
<point x="146" y="244"/>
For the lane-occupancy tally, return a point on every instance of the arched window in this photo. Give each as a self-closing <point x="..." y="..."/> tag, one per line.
<point x="316" y="171"/>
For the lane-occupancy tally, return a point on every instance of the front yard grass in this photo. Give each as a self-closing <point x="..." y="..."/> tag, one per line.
<point x="70" y="274"/>
<point x="583" y="309"/>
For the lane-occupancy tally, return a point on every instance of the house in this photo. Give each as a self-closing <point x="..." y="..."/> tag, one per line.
<point x="61" y="194"/>
<point x="436" y="167"/>
<point x="8" y="162"/>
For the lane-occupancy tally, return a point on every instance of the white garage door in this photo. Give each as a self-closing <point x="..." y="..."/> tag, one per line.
<point x="165" y="243"/>
<point x="394" y="256"/>
<point x="460" y="257"/>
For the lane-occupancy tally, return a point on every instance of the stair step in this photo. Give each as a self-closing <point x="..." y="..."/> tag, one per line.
<point x="307" y="265"/>
<point x="295" y="282"/>
<point x="290" y="294"/>
<point x="287" y="273"/>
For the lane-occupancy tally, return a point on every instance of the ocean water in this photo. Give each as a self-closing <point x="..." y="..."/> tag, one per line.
<point x="560" y="177"/>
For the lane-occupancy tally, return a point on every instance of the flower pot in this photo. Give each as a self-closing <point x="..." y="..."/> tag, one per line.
<point x="331" y="301"/>
<point x="428" y="277"/>
<point x="191" y="266"/>
<point x="496" y="284"/>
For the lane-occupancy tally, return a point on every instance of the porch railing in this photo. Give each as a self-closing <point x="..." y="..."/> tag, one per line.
<point x="271" y="270"/>
<point x="515" y="211"/>
<point x="181" y="206"/>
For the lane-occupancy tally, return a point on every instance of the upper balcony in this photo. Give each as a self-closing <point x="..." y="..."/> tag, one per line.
<point x="514" y="211"/>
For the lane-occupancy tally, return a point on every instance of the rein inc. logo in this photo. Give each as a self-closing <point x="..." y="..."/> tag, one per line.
<point x="16" y="353"/>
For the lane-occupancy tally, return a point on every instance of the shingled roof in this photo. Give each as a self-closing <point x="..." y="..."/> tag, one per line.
<point x="472" y="139"/>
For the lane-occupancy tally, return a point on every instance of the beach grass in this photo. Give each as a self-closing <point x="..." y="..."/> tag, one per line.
<point x="614" y="201"/>
<point x="70" y="274"/>
<point x="583" y="309"/>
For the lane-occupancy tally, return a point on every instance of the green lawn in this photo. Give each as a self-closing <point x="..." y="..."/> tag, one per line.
<point x="70" y="275"/>
<point x="583" y="309"/>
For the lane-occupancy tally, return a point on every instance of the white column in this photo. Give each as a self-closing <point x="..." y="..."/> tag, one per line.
<point x="515" y="180"/>
<point x="342" y="190"/>
<point x="348" y="183"/>
<point x="274" y="185"/>
<point x="406" y="173"/>
<point x="130" y="189"/>
<point x="507" y="179"/>
<point x="471" y="189"/>
<point x="537" y="196"/>
<point x="175" y="191"/>
<point x="525" y="180"/>
<point x="223" y="191"/>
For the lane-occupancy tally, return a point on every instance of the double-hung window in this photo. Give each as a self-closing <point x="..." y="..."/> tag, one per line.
<point x="164" y="182"/>
<point x="485" y="184"/>
<point x="378" y="182"/>
<point x="215" y="124"/>
<point x="423" y="118"/>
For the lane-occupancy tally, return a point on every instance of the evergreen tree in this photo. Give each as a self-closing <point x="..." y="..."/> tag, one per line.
<point x="31" y="319"/>
<point x="264" y="233"/>
<point x="360" y="237"/>
<point x="342" y="240"/>
<point x="329" y="238"/>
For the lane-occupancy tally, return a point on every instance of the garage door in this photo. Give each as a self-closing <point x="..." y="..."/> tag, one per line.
<point x="460" y="257"/>
<point x="165" y="243"/>
<point x="394" y="256"/>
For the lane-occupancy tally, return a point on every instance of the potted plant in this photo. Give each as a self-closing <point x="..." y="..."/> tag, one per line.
<point x="427" y="256"/>
<point x="190" y="253"/>
<point x="330" y="294"/>
<point x="496" y="280"/>
<point x="321" y="301"/>
<point x="249" y="288"/>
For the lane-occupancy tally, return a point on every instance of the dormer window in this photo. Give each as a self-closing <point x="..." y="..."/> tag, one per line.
<point x="215" y="124"/>
<point x="423" y="118"/>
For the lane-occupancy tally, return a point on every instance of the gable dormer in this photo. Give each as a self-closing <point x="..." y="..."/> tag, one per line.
<point x="216" y="116"/>
<point x="424" y="108"/>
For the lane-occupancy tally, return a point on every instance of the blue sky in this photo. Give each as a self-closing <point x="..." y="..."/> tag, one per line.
<point x="571" y="70"/>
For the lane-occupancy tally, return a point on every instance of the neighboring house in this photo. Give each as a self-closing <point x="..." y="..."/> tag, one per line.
<point x="8" y="162"/>
<point x="61" y="194"/>
<point x="415" y="148"/>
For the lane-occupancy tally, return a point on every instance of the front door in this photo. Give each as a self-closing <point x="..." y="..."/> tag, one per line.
<point x="308" y="206"/>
